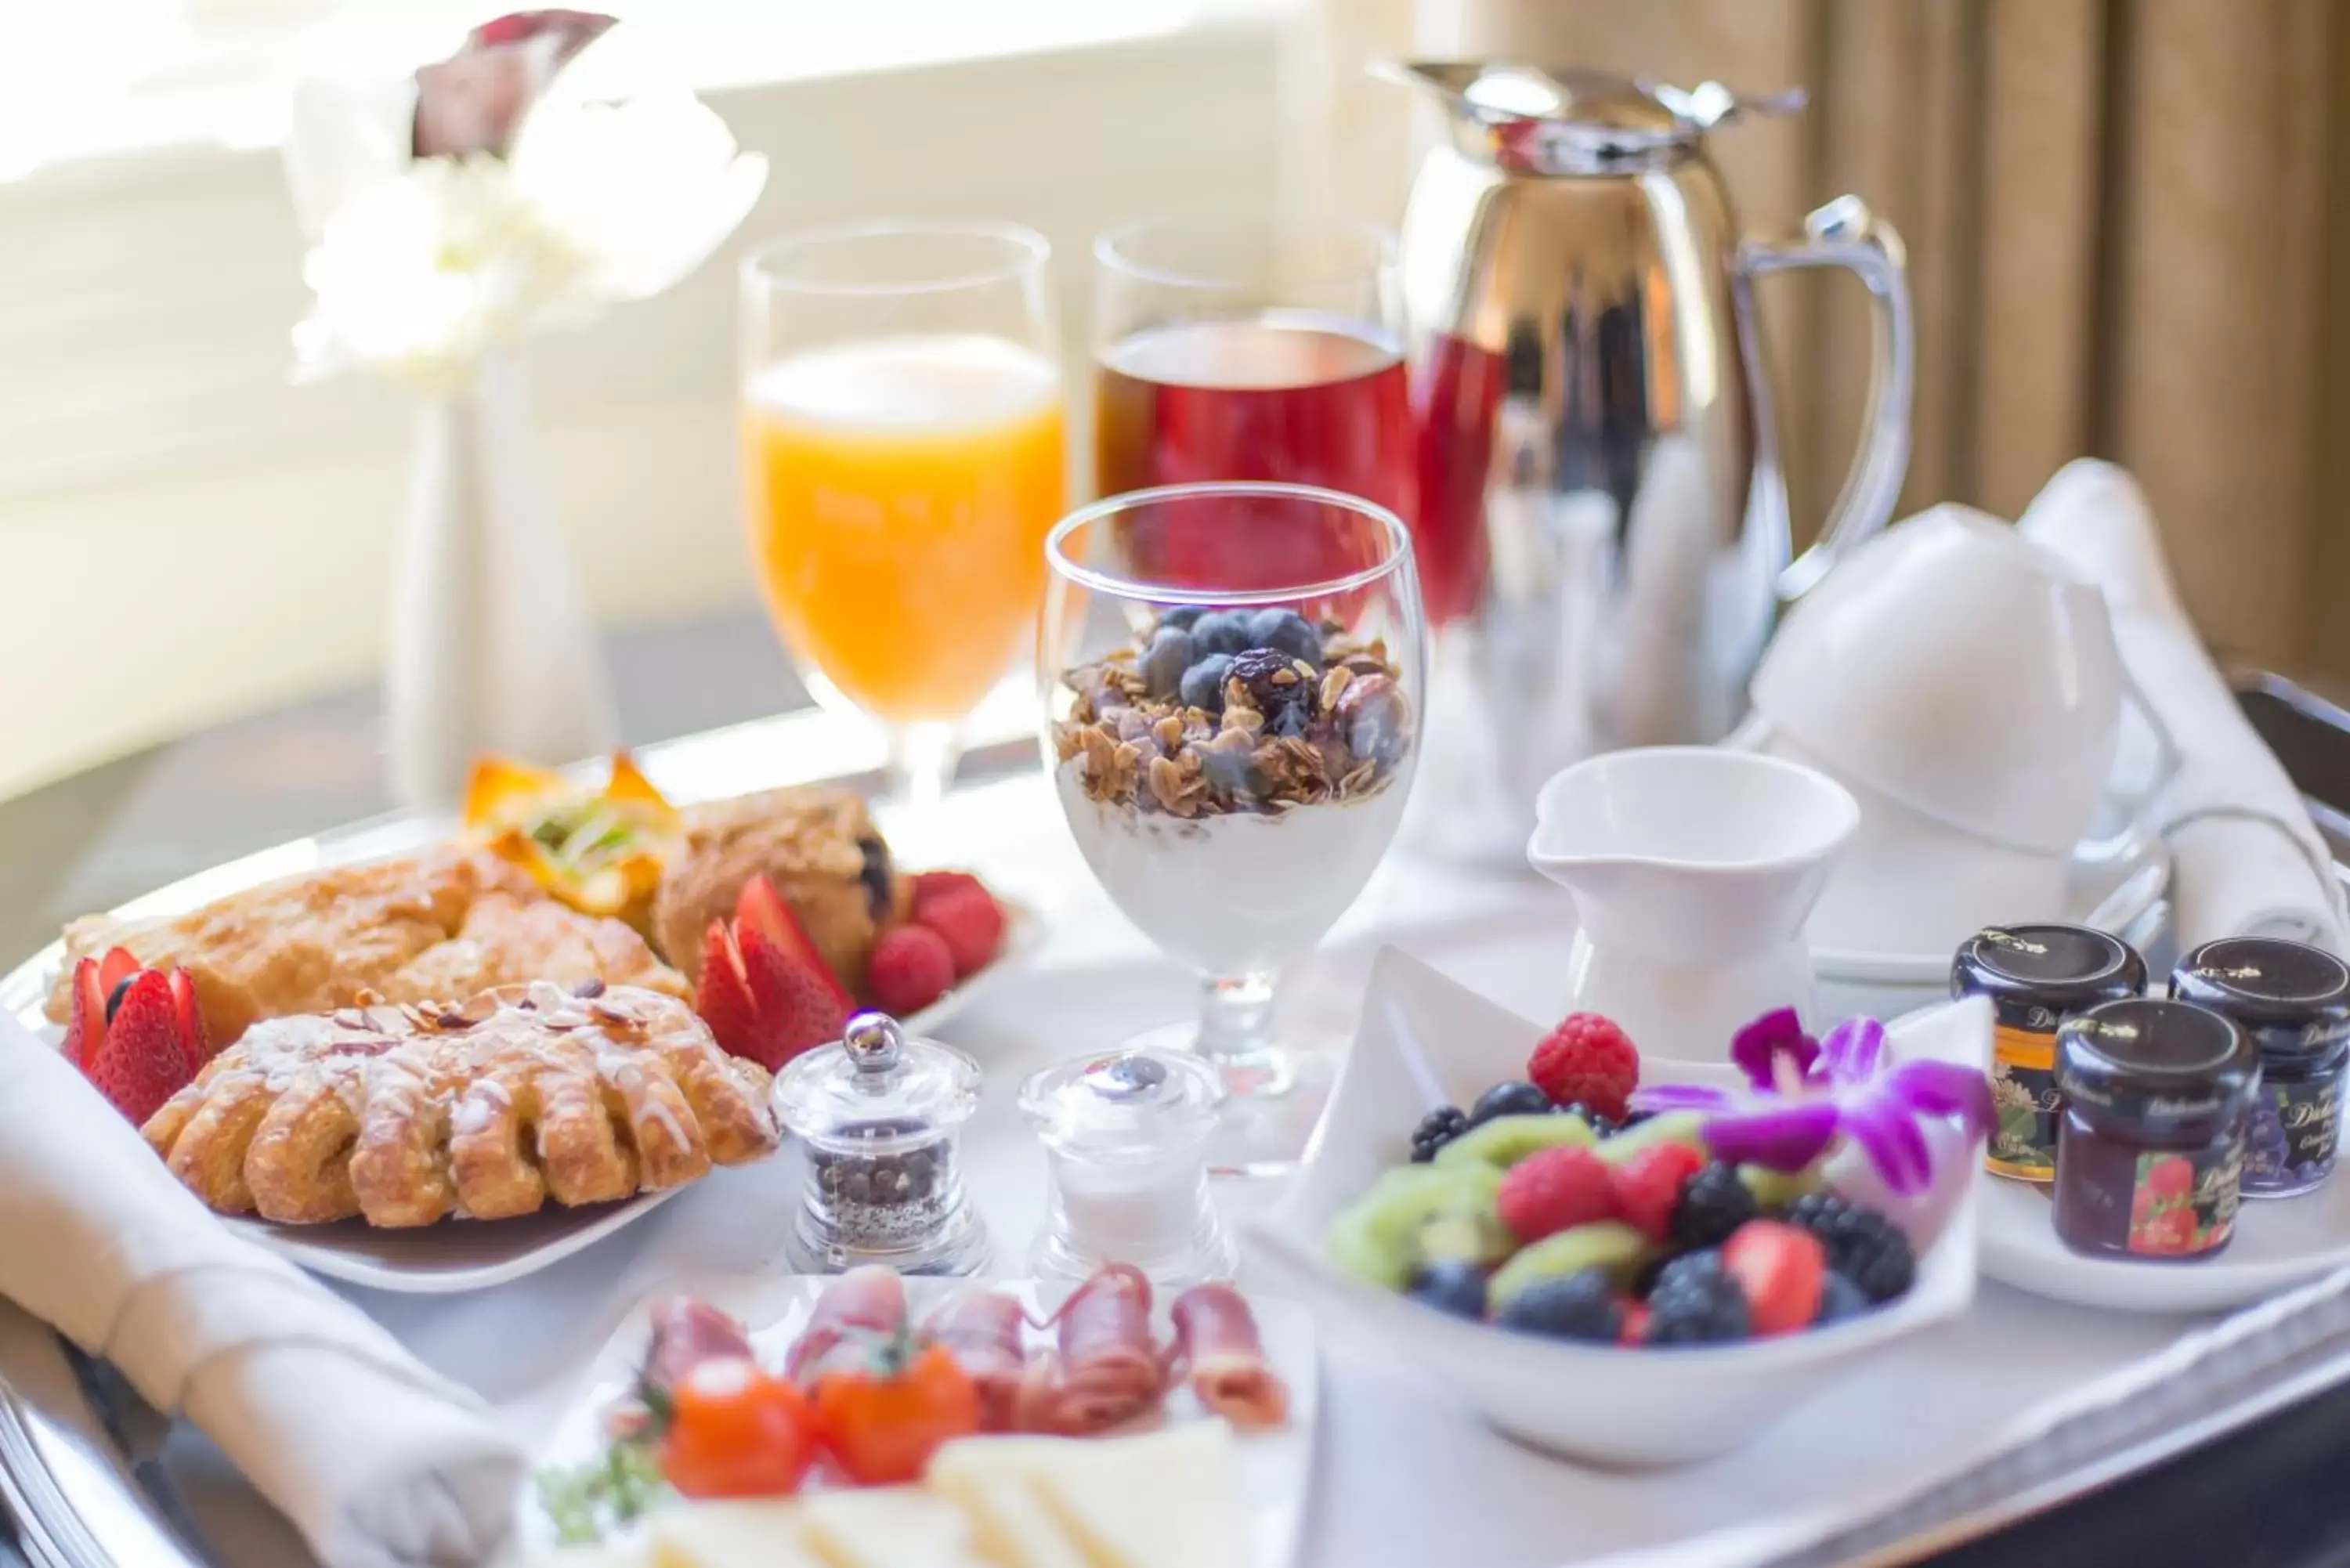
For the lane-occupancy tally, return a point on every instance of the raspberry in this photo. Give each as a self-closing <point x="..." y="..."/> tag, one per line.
<point x="911" y="969"/>
<point x="1588" y="1059"/>
<point x="1862" y="1244"/>
<point x="929" y="885"/>
<point x="2171" y="1177"/>
<point x="971" y="921"/>
<point x="1553" y="1190"/>
<point x="1648" y="1187"/>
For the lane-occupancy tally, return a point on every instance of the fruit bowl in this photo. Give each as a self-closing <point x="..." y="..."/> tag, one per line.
<point x="1426" y="1042"/>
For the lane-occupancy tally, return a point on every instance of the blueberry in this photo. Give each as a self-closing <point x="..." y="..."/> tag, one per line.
<point x="1581" y="1306"/>
<point x="1203" y="683"/>
<point x="1163" y="664"/>
<point x="1221" y="631"/>
<point x="1453" y="1286"/>
<point x="1181" y="617"/>
<point x="1512" y="1099"/>
<point x="1839" y="1299"/>
<point x="1286" y="631"/>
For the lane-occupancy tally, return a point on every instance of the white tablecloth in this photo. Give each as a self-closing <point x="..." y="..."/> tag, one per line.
<point x="1404" y="1475"/>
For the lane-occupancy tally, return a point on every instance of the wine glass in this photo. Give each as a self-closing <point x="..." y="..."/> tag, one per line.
<point x="1232" y="675"/>
<point x="903" y="453"/>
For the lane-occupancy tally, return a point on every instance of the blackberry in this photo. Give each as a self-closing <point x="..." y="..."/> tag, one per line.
<point x="1861" y="1244"/>
<point x="1580" y="1306"/>
<point x="1516" y="1098"/>
<point x="1437" y="1128"/>
<point x="1276" y="684"/>
<point x="1715" y="1203"/>
<point x="1453" y="1286"/>
<point x="1839" y="1299"/>
<point x="1601" y="1127"/>
<point x="1695" y="1302"/>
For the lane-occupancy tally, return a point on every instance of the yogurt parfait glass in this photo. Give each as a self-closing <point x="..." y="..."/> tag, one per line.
<point x="1232" y="676"/>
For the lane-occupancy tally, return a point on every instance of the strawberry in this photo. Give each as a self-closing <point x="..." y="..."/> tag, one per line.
<point x="929" y="885"/>
<point x="1648" y="1187"/>
<point x="1636" y="1323"/>
<point x="86" y="1030"/>
<point x="760" y="908"/>
<point x="194" y="1040"/>
<point x="1779" y="1268"/>
<point x="1587" y="1060"/>
<point x="1554" y="1189"/>
<point x="144" y="1061"/>
<point x="723" y="996"/>
<point x="971" y="921"/>
<point x="800" y="1004"/>
<point x="911" y="969"/>
<point x="119" y="965"/>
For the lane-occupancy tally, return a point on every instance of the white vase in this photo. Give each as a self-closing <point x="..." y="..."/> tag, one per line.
<point x="492" y="645"/>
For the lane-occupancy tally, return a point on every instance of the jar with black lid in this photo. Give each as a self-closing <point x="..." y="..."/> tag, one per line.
<point x="2294" y="1001"/>
<point x="2036" y="977"/>
<point x="2150" y="1149"/>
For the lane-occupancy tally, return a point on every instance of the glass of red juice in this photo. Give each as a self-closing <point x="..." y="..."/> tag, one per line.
<point x="1229" y="349"/>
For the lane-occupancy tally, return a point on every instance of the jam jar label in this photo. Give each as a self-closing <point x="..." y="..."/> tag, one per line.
<point x="2023" y="1094"/>
<point x="2291" y="1139"/>
<point x="2183" y="1204"/>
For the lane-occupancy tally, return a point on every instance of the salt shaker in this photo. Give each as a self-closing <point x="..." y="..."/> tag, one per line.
<point x="1126" y="1140"/>
<point x="880" y="1118"/>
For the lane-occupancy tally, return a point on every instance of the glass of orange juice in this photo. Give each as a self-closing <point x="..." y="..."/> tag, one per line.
<point x="902" y="444"/>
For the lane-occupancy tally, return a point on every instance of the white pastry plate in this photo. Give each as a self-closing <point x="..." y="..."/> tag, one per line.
<point x="2278" y="1243"/>
<point x="457" y="1256"/>
<point x="1276" y="1467"/>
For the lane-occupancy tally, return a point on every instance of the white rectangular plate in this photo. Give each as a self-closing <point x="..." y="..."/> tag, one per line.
<point x="1276" y="1468"/>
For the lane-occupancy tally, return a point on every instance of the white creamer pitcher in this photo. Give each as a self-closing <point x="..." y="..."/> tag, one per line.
<point x="1692" y="869"/>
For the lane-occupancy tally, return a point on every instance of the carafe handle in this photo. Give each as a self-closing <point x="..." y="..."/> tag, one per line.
<point x="1844" y="232"/>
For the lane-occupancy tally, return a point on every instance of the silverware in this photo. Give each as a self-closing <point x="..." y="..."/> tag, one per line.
<point x="1603" y="535"/>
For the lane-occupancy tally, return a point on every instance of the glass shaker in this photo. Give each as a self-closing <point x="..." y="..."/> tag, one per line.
<point x="1126" y="1138"/>
<point x="880" y="1118"/>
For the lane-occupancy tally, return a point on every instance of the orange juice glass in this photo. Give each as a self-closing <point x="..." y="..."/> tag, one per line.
<point x="903" y="457"/>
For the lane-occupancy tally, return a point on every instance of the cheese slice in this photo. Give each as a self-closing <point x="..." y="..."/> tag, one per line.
<point x="1011" y="1526"/>
<point x="602" y="1555"/>
<point x="1164" y="1500"/>
<point x="886" y="1527"/>
<point x="767" y="1532"/>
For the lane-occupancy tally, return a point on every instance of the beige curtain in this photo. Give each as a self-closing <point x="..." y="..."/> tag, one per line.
<point x="2129" y="224"/>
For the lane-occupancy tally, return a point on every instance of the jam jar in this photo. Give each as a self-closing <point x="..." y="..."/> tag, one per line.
<point x="2150" y="1149"/>
<point x="2036" y="976"/>
<point x="1126" y="1140"/>
<point x="2294" y="1001"/>
<point x="880" y="1117"/>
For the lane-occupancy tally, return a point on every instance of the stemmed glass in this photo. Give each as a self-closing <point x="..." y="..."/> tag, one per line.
<point x="1232" y="675"/>
<point x="902" y="434"/>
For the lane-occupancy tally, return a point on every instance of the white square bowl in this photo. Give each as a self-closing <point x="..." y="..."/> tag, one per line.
<point x="1425" y="1041"/>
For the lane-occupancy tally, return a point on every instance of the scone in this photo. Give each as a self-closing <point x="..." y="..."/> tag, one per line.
<point x="819" y="847"/>
<point x="446" y="921"/>
<point x="483" y="1109"/>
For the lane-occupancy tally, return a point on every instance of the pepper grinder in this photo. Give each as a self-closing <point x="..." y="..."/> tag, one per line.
<point x="1126" y="1140"/>
<point x="880" y="1118"/>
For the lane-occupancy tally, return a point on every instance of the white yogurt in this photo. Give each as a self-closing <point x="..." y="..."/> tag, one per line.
<point x="1238" y="894"/>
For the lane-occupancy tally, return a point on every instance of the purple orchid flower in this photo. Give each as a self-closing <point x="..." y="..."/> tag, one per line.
<point x="1807" y="1093"/>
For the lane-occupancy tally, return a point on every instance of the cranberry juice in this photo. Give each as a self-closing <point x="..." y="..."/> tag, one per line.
<point x="1294" y="396"/>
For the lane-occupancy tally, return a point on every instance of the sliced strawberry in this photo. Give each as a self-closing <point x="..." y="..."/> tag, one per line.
<point x="85" y="1030"/>
<point x="760" y="908"/>
<point x="723" y="995"/>
<point x="799" y="1003"/>
<point x="143" y="1062"/>
<point x="119" y="965"/>
<point x="194" y="1041"/>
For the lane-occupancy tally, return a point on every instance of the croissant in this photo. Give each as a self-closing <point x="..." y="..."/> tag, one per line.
<point x="410" y="1114"/>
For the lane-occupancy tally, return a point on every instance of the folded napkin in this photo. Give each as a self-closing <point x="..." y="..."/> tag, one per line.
<point x="2250" y="863"/>
<point x="377" y="1461"/>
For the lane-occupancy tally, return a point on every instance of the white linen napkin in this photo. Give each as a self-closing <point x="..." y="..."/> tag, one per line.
<point x="380" y="1462"/>
<point x="2250" y="863"/>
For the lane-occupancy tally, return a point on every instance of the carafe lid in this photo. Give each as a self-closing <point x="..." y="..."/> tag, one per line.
<point x="1534" y="120"/>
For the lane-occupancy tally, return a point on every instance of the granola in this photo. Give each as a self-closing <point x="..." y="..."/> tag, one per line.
<point x="1233" y="711"/>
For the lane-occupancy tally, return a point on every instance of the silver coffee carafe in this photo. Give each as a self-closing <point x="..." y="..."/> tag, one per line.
<point x="1603" y="535"/>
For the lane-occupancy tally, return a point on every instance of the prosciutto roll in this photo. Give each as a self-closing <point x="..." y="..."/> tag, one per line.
<point x="1218" y="1347"/>
<point x="981" y="1330"/>
<point x="862" y="1305"/>
<point x="1109" y="1368"/>
<point x="687" y="1333"/>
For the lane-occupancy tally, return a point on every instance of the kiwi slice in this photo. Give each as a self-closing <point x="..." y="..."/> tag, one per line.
<point x="1505" y="1140"/>
<point x="1618" y="1248"/>
<point x="1672" y="1126"/>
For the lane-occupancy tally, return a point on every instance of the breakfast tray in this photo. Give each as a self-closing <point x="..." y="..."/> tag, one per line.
<point x="1943" y="1441"/>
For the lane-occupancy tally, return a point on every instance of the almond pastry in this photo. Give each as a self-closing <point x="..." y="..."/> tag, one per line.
<point x="408" y="1114"/>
